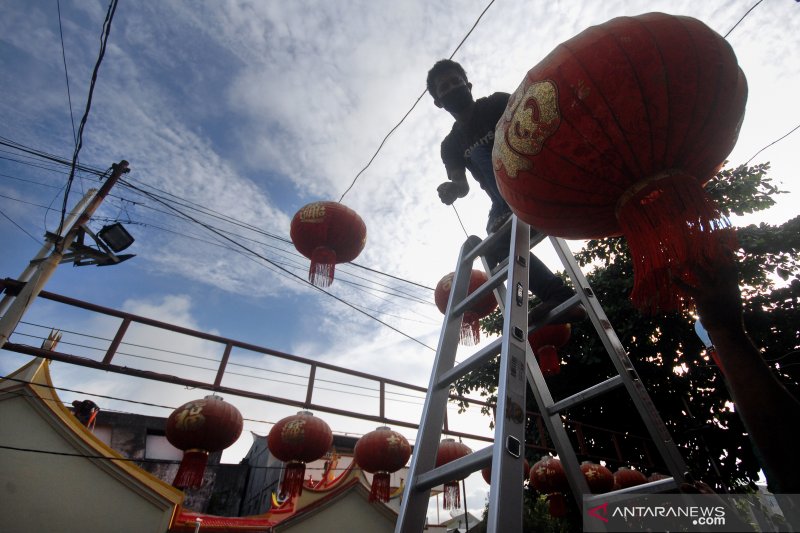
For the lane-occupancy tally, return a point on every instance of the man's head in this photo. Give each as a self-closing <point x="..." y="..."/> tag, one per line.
<point x="448" y="85"/>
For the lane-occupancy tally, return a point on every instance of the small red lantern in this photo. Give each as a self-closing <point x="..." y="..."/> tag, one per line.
<point x="450" y="450"/>
<point x="547" y="475"/>
<point x="599" y="478"/>
<point x="656" y="476"/>
<point x="626" y="477"/>
<point x="327" y="233"/>
<point x="545" y="342"/>
<point x="199" y="428"/>
<point x="470" y="324"/>
<point x="487" y="472"/>
<point x="381" y="452"/>
<point x="297" y="440"/>
<point x="615" y="132"/>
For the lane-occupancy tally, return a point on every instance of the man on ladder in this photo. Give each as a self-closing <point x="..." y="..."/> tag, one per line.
<point x="469" y="146"/>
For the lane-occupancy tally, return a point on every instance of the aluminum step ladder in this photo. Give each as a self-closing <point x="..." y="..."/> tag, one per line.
<point x="518" y="368"/>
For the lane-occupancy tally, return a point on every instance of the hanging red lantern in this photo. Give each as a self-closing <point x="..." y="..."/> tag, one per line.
<point x="626" y="477"/>
<point x="545" y="342"/>
<point x="381" y="453"/>
<point x="297" y="440"/>
<point x="198" y="428"/>
<point x="470" y="323"/>
<point x="450" y="450"/>
<point x="615" y="132"/>
<point x="327" y="233"/>
<point x="557" y="505"/>
<point x="487" y="472"/>
<point x="599" y="478"/>
<point x="547" y="475"/>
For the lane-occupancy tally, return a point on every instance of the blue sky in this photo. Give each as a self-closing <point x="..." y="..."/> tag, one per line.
<point x="254" y="109"/>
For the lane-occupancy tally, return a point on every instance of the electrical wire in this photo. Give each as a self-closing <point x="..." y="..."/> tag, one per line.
<point x="112" y="7"/>
<point x="412" y="106"/>
<point x="302" y="280"/>
<point x="66" y="72"/>
<point x="21" y="228"/>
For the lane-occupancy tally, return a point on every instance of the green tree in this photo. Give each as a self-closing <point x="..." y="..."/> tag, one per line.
<point x="686" y="386"/>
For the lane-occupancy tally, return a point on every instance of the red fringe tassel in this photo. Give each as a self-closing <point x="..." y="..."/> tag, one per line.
<point x="557" y="505"/>
<point x="323" y="264"/>
<point x="293" y="476"/>
<point x="470" y="329"/>
<point x="380" y="487"/>
<point x="190" y="473"/>
<point x="673" y="228"/>
<point x="452" y="495"/>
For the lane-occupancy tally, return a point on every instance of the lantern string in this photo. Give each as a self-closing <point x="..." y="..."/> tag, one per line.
<point x="773" y="142"/>
<point x="413" y="105"/>
<point x="459" y="221"/>
<point x="743" y="17"/>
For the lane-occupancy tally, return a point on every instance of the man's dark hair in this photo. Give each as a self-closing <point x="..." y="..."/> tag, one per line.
<point x="443" y="65"/>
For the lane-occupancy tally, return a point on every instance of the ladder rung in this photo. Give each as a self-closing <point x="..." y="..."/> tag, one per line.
<point x="662" y="485"/>
<point x="586" y="394"/>
<point x="471" y="363"/>
<point x="487" y="243"/>
<point x="490" y="285"/>
<point x="460" y="468"/>
<point x="556" y="312"/>
<point x="536" y="238"/>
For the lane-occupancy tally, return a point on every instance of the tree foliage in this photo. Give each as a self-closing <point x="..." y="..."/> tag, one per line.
<point x="685" y="385"/>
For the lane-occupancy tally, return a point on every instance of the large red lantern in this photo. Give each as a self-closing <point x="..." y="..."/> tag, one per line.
<point x="547" y="475"/>
<point x="545" y="342"/>
<point x="327" y="233"/>
<point x="199" y="428"/>
<point x="615" y="132"/>
<point x="450" y="450"/>
<point x="381" y="452"/>
<point x="297" y="440"/>
<point x="599" y="478"/>
<point x="626" y="477"/>
<point x="470" y="323"/>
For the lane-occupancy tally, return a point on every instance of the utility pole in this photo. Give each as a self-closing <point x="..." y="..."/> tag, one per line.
<point x="42" y="267"/>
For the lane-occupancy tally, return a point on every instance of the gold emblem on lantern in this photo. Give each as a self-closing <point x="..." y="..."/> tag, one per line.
<point x="294" y="431"/>
<point x="191" y="416"/>
<point x="313" y="212"/>
<point x="531" y="116"/>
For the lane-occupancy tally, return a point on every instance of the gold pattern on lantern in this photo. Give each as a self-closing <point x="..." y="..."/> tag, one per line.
<point x="531" y="117"/>
<point x="393" y="442"/>
<point x="313" y="212"/>
<point x="293" y="431"/>
<point x="191" y="416"/>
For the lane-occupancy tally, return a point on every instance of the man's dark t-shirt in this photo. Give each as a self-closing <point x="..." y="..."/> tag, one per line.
<point x="457" y="147"/>
<point x="458" y="144"/>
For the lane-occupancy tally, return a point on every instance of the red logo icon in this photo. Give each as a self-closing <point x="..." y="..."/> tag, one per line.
<point x="601" y="511"/>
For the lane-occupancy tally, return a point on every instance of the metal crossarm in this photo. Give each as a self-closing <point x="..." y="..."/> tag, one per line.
<point x="518" y="368"/>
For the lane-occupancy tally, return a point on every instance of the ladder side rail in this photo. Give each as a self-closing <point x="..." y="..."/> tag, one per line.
<point x="414" y="505"/>
<point x="555" y="428"/>
<point x="544" y="401"/>
<point x="506" y="498"/>
<point x="644" y="404"/>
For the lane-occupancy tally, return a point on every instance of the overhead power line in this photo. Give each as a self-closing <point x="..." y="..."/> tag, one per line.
<point x="112" y="7"/>
<point x="380" y="146"/>
<point x="292" y="274"/>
